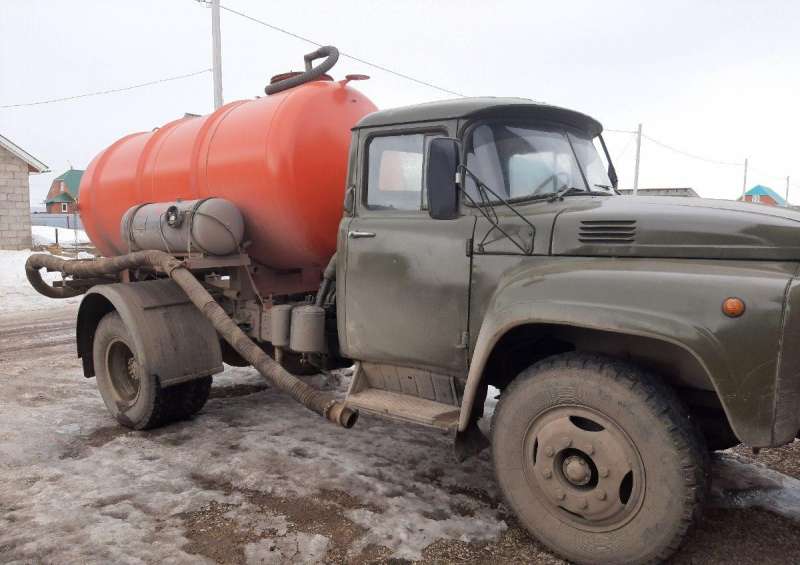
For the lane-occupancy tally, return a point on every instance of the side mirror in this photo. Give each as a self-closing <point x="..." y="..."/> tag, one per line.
<point x="440" y="178"/>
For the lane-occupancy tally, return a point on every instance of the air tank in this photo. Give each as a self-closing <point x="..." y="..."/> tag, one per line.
<point x="280" y="159"/>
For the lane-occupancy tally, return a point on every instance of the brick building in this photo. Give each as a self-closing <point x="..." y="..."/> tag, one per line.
<point x="15" y="209"/>
<point x="63" y="195"/>
<point x="761" y="194"/>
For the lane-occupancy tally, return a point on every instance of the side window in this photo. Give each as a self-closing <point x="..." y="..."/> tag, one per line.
<point x="394" y="180"/>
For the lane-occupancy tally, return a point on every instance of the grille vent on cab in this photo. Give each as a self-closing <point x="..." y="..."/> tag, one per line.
<point x="607" y="231"/>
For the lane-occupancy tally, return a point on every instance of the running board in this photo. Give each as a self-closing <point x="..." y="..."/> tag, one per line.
<point x="406" y="408"/>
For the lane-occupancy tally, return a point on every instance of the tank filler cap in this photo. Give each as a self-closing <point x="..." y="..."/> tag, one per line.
<point x="348" y="78"/>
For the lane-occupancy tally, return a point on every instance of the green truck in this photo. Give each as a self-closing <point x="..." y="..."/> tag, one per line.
<point x="484" y="246"/>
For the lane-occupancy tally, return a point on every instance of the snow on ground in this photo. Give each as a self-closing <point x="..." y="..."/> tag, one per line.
<point x="256" y="478"/>
<point x="75" y="487"/>
<point x="46" y="235"/>
<point x="16" y="293"/>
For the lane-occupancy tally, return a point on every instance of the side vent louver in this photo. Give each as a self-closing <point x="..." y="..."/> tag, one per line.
<point x="607" y="231"/>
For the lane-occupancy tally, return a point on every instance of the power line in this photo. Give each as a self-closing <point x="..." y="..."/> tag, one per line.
<point x="109" y="91"/>
<point x="352" y="57"/>
<point x="691" y="155"/>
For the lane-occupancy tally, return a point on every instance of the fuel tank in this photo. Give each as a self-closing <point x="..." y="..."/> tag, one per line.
<point x="280" y="159"/>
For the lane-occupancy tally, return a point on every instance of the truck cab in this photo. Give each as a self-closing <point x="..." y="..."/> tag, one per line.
<point x="484" y="245"/>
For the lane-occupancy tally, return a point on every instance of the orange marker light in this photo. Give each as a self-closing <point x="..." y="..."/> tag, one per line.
<point x="733" y="307"/>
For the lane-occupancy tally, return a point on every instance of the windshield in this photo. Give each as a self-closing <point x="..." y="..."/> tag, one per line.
<point x="520" y="161"/>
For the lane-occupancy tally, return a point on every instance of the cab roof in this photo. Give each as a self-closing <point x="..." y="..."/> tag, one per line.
<point x="479" y="107"/>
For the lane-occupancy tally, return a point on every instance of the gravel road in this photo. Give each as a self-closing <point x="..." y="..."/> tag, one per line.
<point x="256" y="479"/>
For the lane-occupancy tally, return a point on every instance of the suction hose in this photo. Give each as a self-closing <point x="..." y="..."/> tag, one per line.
<point x="321" y="402"/>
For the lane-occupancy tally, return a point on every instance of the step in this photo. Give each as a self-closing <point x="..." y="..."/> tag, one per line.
<point x="406" y="408"/>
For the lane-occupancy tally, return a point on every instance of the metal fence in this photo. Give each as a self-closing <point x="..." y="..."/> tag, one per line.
<point x="72" y="221"/>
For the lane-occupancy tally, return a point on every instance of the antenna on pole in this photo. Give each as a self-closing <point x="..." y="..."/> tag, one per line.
<point x="216" y="54"/>
<point x="638" y="154"/>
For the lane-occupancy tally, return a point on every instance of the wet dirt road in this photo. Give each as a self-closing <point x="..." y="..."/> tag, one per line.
<point x="256" y="479"/>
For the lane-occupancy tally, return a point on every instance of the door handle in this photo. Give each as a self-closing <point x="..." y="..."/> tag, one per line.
<point x="360" y="234"/>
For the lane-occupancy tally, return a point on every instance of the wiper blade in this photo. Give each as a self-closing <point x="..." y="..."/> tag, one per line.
<point x="564" y="191"/>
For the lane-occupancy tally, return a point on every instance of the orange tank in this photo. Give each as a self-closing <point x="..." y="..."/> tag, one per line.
<point x="282" y="159"/>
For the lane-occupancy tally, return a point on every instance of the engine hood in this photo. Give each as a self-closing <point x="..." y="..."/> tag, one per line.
<point x="653" y="226"/>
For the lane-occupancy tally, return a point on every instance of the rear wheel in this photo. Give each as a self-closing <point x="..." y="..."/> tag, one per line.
<point x="137" y="400"/>
<point x="599" y="460"/>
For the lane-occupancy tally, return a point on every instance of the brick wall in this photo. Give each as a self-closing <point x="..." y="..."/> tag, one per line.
<point x="15" y="217"/>
<point x="55" y="208"/>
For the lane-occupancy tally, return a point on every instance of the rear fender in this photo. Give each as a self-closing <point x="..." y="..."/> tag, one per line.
<point x="172" y="337"/>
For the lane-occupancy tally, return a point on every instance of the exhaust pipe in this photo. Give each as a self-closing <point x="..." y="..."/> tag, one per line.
<point x="321" y="402"/>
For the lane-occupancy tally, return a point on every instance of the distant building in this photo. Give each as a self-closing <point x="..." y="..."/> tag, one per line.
<point x="63" y="195"/>
<point x="15" y="217"/>
<point x="761" y="194"/>
<point x="662" y="192"/>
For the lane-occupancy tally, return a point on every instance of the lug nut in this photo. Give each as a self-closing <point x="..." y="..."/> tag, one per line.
<point x="584" y="503"/>
<point x="566" y="442"/>
<point x="590" y="449"/>
<point x="547" y="473"/>
<point x="603" y="472"/>
<point x="601" y="495"/>
<point x="560" y="495"/>
<point x="549" y="451"/>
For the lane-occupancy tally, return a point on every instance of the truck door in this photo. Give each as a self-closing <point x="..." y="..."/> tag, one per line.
<point x="407" y="275"/>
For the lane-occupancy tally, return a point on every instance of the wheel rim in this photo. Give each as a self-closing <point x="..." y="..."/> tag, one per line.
<point x="123" y="372"/>
<point x="584" y="468"/>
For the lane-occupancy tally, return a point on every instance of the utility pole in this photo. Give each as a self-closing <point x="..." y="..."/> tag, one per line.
<point x="787" y="191"/>
<point x="216" y="54"/>
<point x="744" y="182"/>
<point x="638" y="154"/>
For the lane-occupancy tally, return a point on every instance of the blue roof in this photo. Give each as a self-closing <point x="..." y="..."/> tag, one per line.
<point x="761" y="190"/>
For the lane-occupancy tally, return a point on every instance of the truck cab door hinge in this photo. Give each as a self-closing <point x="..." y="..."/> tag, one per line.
<point x="463" y="340"/>
<point x="469" y="247"/>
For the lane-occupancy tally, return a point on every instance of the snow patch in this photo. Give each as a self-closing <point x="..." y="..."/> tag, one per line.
<point x="46" y="235"/>
<point x="16" y="293"/>
<point x="297" y="548"/>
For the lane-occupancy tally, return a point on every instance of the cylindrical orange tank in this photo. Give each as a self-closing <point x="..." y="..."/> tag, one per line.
<point x="282" y="159"/>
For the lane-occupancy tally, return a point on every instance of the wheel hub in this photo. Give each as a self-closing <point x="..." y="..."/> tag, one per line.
<point x="576" y="470"/>
<point x="584" y="467"/>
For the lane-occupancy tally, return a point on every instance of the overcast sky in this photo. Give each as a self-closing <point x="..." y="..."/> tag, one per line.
<point x="718" y="79"/>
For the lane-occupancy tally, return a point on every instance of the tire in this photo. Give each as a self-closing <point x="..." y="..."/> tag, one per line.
<point x="137" y="400"/>
<point x="187" y="399"/>
<point x="599" y="460"/>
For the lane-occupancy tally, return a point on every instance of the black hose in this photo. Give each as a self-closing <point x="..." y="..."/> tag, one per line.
<point x="327" y="278"/>
<point x="311" y="73"/>
<point x="321" y="402"/>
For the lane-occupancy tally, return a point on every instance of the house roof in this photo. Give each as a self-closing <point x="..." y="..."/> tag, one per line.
<point x="761" y="190"/>
<point x="34" y="164"/>
<point x="479" y="106"/>
<point x="60" y="197"/>
<point x="72" y="180"/>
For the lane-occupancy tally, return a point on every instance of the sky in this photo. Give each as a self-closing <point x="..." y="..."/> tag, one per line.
<point x="714" y="79"/>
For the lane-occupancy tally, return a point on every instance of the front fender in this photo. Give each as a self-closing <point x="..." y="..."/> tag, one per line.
<point x="675" y="301"/>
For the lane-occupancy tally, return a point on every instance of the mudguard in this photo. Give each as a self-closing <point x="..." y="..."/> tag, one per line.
<point x="174" y="340"/>
<point x="675" y="301"/>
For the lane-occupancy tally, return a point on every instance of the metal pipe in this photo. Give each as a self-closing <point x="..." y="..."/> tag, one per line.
<point x="321" y="402"/>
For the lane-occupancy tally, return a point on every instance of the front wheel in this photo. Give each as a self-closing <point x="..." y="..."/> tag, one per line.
<point x="137" y="400"/>
<point x="599" y="460"/>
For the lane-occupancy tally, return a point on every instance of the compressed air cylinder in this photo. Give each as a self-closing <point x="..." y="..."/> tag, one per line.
<point x="308" y="329"/>
<point x="280" y="320"/>
<point x="213" y="226"/>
